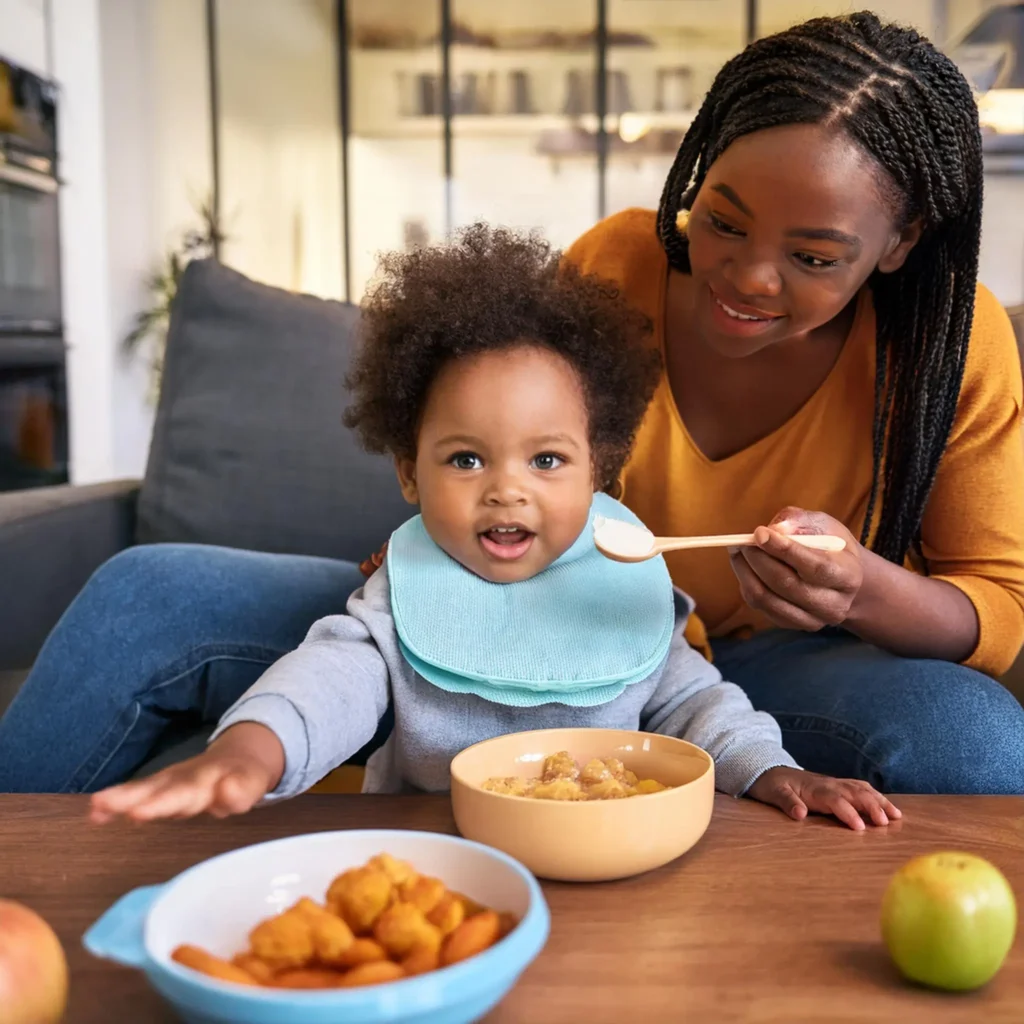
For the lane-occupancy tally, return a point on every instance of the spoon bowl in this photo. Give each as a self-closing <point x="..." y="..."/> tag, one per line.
<point x="624" y="542"/>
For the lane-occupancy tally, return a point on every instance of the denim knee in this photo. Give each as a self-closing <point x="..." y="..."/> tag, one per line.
<point x="966" y="734"/>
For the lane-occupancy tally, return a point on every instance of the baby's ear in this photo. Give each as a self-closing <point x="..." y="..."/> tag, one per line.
<point x="406" y="470"/>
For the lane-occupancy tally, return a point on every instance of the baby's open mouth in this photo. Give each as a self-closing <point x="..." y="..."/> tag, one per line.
<point x="506" y="542"/>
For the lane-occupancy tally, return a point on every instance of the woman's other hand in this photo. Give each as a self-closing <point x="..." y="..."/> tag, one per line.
<point x="795" y="586"/>
<point x="234" y="774"/>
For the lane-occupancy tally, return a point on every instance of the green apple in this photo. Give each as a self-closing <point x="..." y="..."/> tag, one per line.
<point x="948" y="920"/>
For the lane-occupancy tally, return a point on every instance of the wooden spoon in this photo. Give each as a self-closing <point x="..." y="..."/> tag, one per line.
<point x="624" y="542"/>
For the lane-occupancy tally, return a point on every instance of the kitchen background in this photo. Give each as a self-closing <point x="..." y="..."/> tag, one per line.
<point x="321" y="132"/>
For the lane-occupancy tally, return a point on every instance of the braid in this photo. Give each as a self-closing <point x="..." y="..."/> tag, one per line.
<point x="909" y="107"/>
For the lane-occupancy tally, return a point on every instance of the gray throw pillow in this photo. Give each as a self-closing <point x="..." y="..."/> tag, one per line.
<point x="248" y="448"/>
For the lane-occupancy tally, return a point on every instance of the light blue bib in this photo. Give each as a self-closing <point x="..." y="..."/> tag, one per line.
<point x="578" y="633"/>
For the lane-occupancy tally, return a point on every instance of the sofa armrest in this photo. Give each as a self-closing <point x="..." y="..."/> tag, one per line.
<point x="51" y="541"/>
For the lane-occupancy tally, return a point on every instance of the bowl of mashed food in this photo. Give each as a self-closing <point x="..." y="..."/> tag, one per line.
<point x="584" y="805"/>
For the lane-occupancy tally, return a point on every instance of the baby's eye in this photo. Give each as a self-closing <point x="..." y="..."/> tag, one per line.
<point x="466" y="460"/>
<point x="547" y="461"/>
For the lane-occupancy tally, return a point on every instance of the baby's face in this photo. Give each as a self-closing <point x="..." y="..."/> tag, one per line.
<point x="503" y="472"/>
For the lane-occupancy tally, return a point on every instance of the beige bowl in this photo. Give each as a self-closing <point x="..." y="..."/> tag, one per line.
<point x="594" y="840"/>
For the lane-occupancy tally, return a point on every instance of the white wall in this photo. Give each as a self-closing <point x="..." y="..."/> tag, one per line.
<point x="134" y="145"/>
<point x="23" y="34"/>
<point x="281" y="143"/>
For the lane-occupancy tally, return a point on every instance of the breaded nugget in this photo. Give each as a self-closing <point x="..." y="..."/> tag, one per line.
<point x="423" y="892"/>
<point x="331" y="935"/>
<point x="403" y="928"/>
<point x="448" y="914"/>
<point x="359" y="896"/>
<point x="399" y="871"/>
<point x="284" y="941"/>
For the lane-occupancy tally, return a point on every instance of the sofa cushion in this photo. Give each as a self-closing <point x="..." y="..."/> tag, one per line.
<point x="248" y="446"/>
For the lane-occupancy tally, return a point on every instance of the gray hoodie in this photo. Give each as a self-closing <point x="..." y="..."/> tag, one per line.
<point x="324" y="701"/>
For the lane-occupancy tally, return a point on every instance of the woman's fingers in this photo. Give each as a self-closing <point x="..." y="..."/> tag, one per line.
<point x="782" y="612"/>
<point x="829" y="570"/>
<point x="777" y="575"/>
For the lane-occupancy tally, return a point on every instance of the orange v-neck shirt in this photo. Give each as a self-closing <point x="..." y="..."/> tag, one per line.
<point x="820" y="459"/>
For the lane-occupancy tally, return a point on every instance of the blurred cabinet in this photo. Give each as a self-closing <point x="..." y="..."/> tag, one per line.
<point x="515" y="140"/>
<point x="396" y="175"/>
<point x="662" y="59"/>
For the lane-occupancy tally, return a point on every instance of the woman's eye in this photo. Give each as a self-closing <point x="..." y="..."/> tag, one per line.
<point x="547" y="461"/>
<point x="466" y="460"/>
<point x="815" y="262"/>
<point x="720" y="226"/>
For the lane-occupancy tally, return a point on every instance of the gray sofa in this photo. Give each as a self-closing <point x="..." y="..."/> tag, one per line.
<point x="248" y="451"/>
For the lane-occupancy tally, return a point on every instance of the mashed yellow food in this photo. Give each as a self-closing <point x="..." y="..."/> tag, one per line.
<point x="563" y="779"/>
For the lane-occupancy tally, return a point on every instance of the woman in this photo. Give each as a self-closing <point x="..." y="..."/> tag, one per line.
<point x="811" y="274"/>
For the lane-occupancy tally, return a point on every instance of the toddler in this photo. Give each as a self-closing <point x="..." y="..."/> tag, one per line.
<point x="507" y="388"/>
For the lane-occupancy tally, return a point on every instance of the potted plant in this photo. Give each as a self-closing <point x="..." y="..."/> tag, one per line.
<point x="151" y="324"/>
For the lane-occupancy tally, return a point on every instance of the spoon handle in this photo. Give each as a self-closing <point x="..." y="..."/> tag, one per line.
<point x="820" y="542"/>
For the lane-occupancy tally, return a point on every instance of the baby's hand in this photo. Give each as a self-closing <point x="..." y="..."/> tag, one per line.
<point x="797" y="793"/>
<point x="236" y="772"/>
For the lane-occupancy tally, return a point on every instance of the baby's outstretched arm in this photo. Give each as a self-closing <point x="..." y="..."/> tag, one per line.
<point x="233" y="774"/>
<point x="308" y="713"/>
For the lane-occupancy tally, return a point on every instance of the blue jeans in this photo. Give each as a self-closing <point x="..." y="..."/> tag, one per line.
<point x="168" y="636"/>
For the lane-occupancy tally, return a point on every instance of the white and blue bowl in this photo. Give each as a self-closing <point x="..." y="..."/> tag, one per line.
<point x="216" y="904"/>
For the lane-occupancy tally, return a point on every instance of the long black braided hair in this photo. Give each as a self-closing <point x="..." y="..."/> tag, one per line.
<point x="908" y="106"/>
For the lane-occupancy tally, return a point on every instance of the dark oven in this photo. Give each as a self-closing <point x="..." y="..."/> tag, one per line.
<point x="33" y="406"/>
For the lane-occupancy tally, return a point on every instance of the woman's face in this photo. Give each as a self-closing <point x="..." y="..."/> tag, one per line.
<point x="786" y="228"/>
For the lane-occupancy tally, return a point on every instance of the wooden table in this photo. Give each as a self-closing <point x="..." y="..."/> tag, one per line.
<point x="765" y="920"/>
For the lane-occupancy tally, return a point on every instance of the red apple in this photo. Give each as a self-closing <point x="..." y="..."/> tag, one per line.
<point x="33" y="971"/>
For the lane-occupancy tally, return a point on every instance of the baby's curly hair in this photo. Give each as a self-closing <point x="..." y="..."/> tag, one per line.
<point x="486" y="290"/>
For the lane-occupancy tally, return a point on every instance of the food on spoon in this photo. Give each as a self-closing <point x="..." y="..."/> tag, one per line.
<point x="624" y="539"/>
<point x="561" y="778"/>
<point x="417" y="926"/>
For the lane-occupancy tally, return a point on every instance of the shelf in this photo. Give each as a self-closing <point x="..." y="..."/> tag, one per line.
<point x="633" y="125"/>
